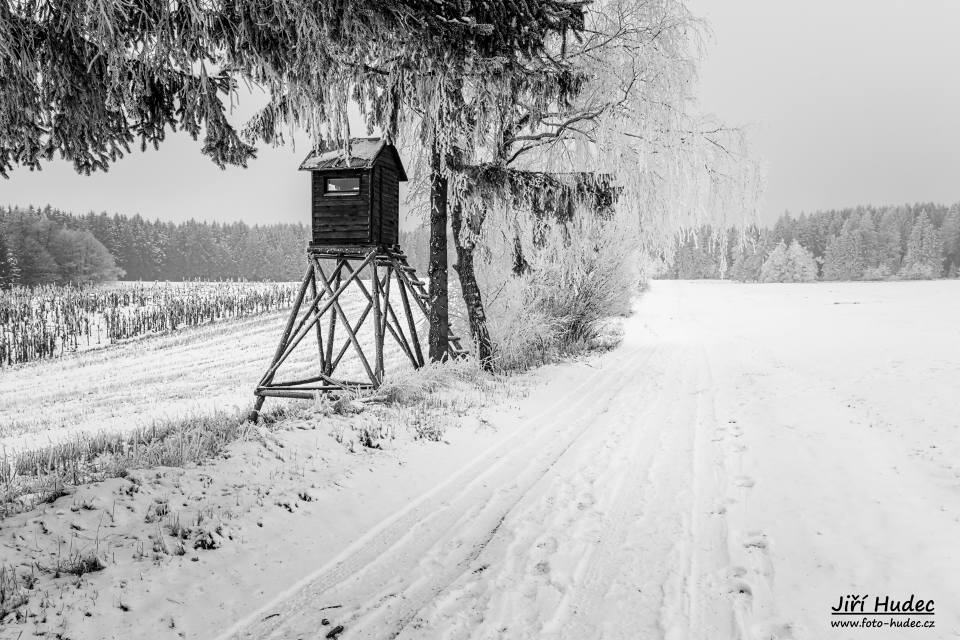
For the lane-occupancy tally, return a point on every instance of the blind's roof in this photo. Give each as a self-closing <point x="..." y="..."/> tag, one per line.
<point x="363" y="153"/>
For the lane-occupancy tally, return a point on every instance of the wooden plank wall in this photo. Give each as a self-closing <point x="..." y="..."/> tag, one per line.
<point x="390" y="204"/>
<point x="372" y="216"/>
<point x="376" y="179"/>
<point x="341" y="219"/>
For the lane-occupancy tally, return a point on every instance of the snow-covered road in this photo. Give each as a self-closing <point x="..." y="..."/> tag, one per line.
<point x="749" y="455"/>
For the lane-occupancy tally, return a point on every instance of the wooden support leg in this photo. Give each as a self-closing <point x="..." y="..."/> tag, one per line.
<point x="325" y="290"/>
<point x="307" y="279"/>
<point x="402" y="284"/>
<point x="389" y="313"/>
<point x="313" y="291"/>
<point x="318" y="310"/>
<point x="377" y="324"/>
<point x="356" y="329"/>
<point x="254" y="415"/>
<point x="346" y="323"/>
<point x="332" y="330"/>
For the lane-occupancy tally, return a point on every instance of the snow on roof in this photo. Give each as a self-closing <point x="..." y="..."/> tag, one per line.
<point x="363" y="151"/>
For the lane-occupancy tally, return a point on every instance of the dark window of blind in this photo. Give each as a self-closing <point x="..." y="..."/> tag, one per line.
<point x="341" y="186"/>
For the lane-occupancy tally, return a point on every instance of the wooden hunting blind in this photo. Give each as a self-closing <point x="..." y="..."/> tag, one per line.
<point x="356" y="197"/>
<point x="354" y="257"/>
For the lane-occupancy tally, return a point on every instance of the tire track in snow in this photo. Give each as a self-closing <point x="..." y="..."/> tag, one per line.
<point x="588" y="521"/>
<point x="617" y="540"/>
<point x="401" y="564"/>
<point x="541" y="566"/>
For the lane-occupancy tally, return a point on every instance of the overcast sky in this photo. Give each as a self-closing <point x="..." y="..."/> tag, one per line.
<point x="847" y="102"/>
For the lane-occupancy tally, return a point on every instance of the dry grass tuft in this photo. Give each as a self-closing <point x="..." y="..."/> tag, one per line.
<point x="13" y="593"/>
<point x="43" y="475"/>
<point x="413" y="387"/>
<point x="78" y="563"/>
<point x="423" y="403"/>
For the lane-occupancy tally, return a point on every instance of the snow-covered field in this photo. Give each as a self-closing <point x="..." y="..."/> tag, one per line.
<point x="194" y="371"/>
<point x="750" y="454"/>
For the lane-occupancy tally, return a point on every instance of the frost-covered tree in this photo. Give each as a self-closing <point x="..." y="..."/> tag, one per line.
<point x="848" y="240"/>
<point x="869" y="245"/>
<point x="622" y="120"/>
<point x="81" y="258"/>
<point x="748" y="260"/>
<point x="86" y="80"/>
<point x="801" y="263"/>
<point x="789" y="264"/>
<point x="844" y="256"/>
<point x="889" y="243"/>
<point x="776" y="267"/>
<point x="697" y="256"/>
<point x="9" y="272"/>
<point x="950" y="238"/>
<point x="924" y="258"/>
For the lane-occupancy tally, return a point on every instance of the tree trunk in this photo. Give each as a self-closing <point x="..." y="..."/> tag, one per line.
<point x="439" y="301"/>
<point x="520" y="264"/>
<point x="471" y="292"/>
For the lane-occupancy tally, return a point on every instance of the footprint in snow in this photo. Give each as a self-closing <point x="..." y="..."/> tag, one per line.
<point x="737" y="571"/>
<point x="549" y="545"/>
<point x="741" y="588"/>
<point x="756" y="540"/>
<point x="586" y="501"/>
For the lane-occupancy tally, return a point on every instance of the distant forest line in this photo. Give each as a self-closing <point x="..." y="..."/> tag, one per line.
<point x="50" y="246"/>
<point x="41" y="246"/>
<point x="919" y="241"/>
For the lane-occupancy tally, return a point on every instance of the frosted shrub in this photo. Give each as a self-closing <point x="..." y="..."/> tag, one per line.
<point x="521" y="332"/>
<point x="576" y="275"/>
<point x="582" y="274"/>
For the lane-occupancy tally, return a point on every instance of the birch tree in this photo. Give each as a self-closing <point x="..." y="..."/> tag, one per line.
<point x="615" y="103"/>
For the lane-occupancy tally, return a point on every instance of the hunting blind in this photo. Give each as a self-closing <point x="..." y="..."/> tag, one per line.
<point x="356" y="201"/>
<point x="354" y="254"/>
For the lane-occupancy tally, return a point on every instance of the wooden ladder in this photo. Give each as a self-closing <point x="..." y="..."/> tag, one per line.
<point x="423" y="297"/>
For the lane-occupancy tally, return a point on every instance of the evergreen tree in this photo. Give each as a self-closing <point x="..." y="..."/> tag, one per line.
<point x="846" y="244"/>
<point x="832" y="260"/>
<point x="748" y="249"/>
<point x="696" y="257"/>
<point x="851" y="247"/>
<point x="889" y="244"/>
<point x="785" y="229"/>
<point x="54" y="246"/>
<point x="776" y="268"/>
<point x="801" y="264"/>
<point x="950" y="238"/>
<point x="844" y="255"/>
<point x="81" y="258"/>
<point x="789" y="264"/>
<point x="747" y="264"/>
<point x="9" y="272"/>
<point x="924" y="258"/>
<point x="37" y="266"/>
<point x="809" y="236"/>
<point x="869" y="246"/>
